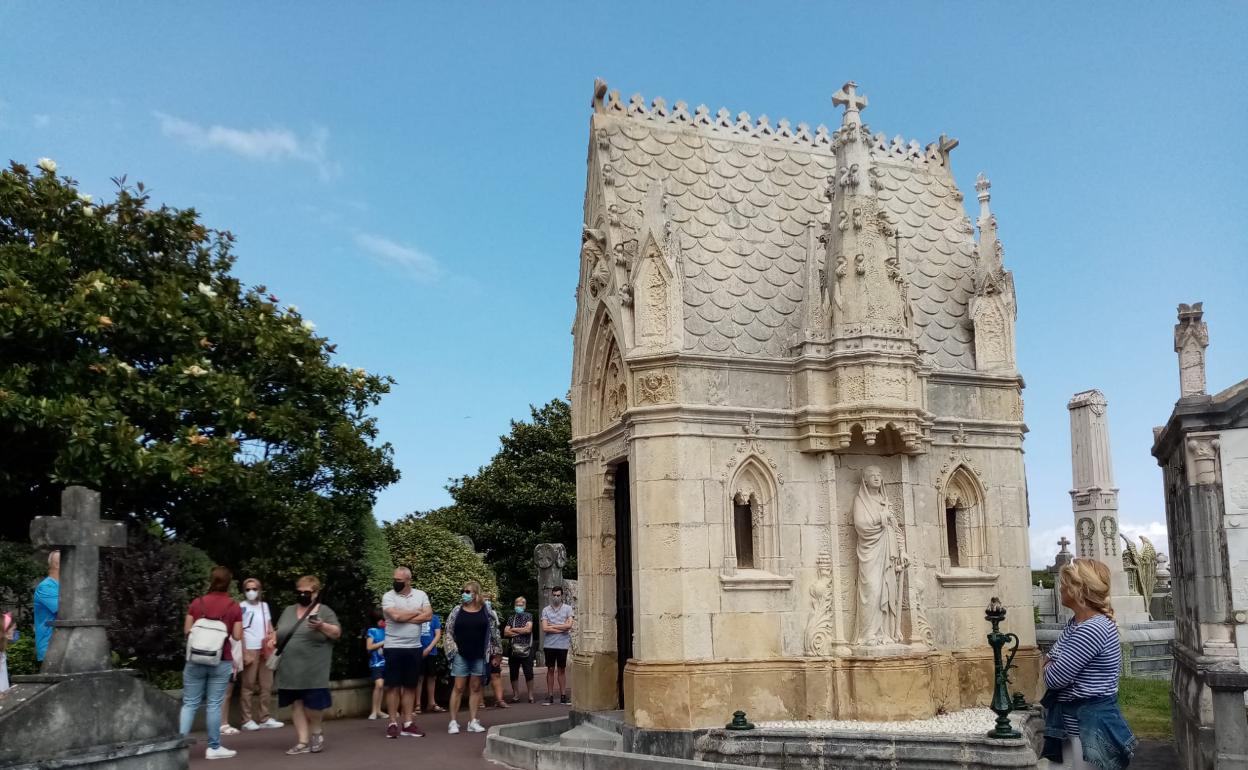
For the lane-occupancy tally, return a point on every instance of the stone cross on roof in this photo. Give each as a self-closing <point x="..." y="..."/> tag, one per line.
<point x="1063" y="543"/>
<point x="852" y="101"/>
<point x="79" y="643"/>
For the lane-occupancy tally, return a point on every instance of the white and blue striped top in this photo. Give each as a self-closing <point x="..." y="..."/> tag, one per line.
<point x="1084" y="663"/>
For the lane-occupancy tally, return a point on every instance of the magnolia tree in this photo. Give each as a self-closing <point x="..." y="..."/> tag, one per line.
<point x="133" y="362"/>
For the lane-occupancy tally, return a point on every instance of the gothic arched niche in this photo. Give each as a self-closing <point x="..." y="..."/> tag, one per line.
<point x="607" y="383"/>
<point x="752" y="526"/>
<point x="652" y="299"/>
<point x="963" y="521"/>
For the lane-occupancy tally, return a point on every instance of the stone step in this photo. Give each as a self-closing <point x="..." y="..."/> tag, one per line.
<point x="586" y="736"/>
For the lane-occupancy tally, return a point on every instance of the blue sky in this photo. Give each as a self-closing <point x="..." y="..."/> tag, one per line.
<point x="411" y="175"/>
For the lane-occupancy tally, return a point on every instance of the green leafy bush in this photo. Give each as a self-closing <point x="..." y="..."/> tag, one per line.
<point x="439" y="560"/>
<point x="20" y="570"/>
<point x="21" y="654"/>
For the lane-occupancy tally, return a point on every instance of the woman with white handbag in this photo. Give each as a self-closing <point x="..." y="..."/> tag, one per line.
<point x="212" y="621"/>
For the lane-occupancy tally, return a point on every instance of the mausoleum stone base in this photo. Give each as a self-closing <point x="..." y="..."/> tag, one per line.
<point x="108" y="720"/>
<point x="693" y="695"/>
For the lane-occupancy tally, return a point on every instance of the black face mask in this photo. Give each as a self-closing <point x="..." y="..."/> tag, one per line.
<point x="399" y="585"/>
<point x="304" y="598"/>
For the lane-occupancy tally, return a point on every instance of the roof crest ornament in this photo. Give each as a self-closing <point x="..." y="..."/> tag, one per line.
<point x="853" y="102"/>
<point x="782" y="132"/>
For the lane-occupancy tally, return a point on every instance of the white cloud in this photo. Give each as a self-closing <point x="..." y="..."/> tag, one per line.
<point x="1155" y="531"/>
<point x="418" y="264"/>
<point x="271" y="145"/>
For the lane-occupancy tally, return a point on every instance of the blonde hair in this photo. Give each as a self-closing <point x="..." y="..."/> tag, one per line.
<point x="310" y="582"/>
<point x="1087" y="582"/>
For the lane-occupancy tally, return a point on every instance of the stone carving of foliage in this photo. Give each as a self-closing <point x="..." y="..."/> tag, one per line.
<point x="1086" y="531"/>
<point x="1109" y="534"/>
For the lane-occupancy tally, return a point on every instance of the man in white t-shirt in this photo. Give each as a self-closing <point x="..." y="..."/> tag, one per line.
<point x="407" y="610"/>
<point x="257" y="630"/>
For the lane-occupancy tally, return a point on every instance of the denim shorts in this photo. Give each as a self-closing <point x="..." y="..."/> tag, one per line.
<point x="461" y="666"/>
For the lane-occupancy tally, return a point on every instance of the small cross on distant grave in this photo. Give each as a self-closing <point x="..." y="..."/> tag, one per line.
<point x="80" y="642"/>
<point x="1063" y="543"/>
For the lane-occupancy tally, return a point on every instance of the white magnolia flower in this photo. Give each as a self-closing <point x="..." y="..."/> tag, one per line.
<point x="97" y="284"/>
<point x="195" y="370"/>
<point x="359" y="372"/>
<point x="292" y="308"/>
<point x="82" y="196"/>
<point x="309" y="325"/>
<point x="207" y="291"/>
<point x="48" y="165"/>
<point x="125" y="367"/>
<point x="88" y="211"/>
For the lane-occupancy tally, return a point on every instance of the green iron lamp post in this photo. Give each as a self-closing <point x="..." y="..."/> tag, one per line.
<point x="1001" y="704"/>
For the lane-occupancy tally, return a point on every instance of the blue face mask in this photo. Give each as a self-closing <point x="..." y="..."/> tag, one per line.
<point x="466" y="597"/>
<point x="519" y="608"/>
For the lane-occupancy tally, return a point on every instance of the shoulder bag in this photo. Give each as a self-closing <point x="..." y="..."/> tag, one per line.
<point x="274" y="660"/>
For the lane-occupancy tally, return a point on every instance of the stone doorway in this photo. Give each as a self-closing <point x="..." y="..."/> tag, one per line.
<point x="623" y="575"/>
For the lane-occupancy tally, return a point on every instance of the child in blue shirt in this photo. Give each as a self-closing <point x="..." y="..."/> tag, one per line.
<point x="374" y="642"/>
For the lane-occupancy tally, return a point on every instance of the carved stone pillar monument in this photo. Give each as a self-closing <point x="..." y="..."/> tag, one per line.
<point x="1095" y="499"/>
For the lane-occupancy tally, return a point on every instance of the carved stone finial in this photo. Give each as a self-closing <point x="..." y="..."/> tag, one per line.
<point x="1191" y="337"/>
<point x="982" y="186"/>
<point x="600" y="95"/>
<point x="852" y="101"/>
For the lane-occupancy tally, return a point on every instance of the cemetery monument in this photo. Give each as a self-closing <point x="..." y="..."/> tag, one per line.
<point x="1203" y="453"/>
<point x="798" y="423"/>
<point x="78" y="711"/>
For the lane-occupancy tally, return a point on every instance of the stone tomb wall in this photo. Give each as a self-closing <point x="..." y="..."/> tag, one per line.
<point x="700" y="617"/>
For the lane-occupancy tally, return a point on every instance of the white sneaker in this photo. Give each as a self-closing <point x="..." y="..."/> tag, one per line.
<point x="375" y="716"/>
<point x="220" y="752"/>
<point x="229" y="730"/>
<point x="250" y="725"/>
<point x="270" y="724"/>
<point x="453" y="727"/>
<point x="475" y="727"/>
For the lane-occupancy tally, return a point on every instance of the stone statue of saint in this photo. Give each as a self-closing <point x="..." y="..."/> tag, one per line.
<point x="880" y="563"/>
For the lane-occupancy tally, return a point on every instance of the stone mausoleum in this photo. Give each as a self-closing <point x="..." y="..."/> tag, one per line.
<point x="798" y="423"/>
<point x="1203" y="452"/>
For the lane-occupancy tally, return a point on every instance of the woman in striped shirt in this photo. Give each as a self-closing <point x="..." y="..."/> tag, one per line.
<point x="1081" y="674"/>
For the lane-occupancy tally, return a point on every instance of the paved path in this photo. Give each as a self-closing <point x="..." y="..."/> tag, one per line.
<point x="360" y="743"/>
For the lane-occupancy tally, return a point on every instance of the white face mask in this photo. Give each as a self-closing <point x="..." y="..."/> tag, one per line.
<point x="252" y="595"/>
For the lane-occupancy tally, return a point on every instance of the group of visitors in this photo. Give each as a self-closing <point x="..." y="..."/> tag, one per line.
<point x="230" y="639"/>
<point x="237" y="642"/>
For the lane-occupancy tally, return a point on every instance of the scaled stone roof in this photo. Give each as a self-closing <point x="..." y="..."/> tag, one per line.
<point x="740" y="196"/>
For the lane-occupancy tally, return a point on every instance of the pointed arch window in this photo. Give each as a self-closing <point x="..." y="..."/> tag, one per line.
<point x="964" y="535"/>
<point x="752" y="525"/>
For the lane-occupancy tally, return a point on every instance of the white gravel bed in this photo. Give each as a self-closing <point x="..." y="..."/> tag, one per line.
<point x="969" y="722"/>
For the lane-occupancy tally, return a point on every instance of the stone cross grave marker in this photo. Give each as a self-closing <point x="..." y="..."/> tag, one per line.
<point x="80" y="642"/>
<point x="1064" y="542"/>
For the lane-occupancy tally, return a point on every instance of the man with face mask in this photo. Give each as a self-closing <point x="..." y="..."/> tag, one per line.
<point x="557" y="620"/>
<point x="257" y="636"/>
<point x="407" y="610"/>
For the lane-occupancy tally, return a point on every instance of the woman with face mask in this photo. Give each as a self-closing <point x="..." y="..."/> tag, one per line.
<point x="306" y="633"/>
<point x="471" y="634"/>
<point x="257" y="643"/>
<point x="520" y="631"/>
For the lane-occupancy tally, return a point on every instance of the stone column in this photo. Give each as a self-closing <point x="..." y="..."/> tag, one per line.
<point x="1229" y="683"/>
<point x="1095" y="499"/>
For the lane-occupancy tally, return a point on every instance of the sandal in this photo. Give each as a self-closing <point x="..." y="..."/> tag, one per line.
<point x="502" y="704"/>
<point x="318" y="743"/>
<point x="417" y="710"/>
<point x="439" y="710"/>
<point x="299" y="748"/>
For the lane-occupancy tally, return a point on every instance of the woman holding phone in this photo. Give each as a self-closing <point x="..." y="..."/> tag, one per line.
<point x="305" y="635"/>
